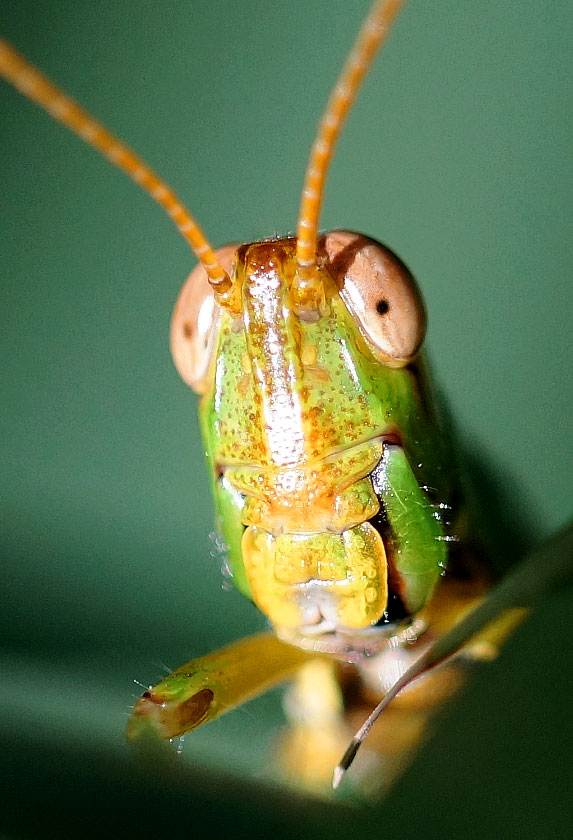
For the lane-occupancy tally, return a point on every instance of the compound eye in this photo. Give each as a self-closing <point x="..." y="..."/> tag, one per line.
<point x="193" y="322"/>
<point x="381" y="294"/>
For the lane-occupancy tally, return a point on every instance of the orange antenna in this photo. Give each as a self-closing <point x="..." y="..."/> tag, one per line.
<point x="33" y="84"/>
<point x="306" y="286"/>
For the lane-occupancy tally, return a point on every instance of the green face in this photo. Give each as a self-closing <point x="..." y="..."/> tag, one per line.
<point x="319" y="450"/>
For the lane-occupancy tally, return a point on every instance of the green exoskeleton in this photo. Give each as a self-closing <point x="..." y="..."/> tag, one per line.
<point x="330" y="468"/>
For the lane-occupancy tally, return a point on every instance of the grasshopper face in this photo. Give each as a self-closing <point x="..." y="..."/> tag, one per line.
<point x="319" y="430"/>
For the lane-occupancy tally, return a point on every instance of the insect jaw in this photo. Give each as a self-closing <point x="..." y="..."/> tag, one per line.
<point x="325" y="546"/>
<point x="311" y="546"/>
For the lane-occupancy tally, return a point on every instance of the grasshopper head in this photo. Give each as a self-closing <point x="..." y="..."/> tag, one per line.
<point x="297" y="407"/>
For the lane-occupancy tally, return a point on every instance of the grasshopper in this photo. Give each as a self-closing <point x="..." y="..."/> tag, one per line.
<point x="330" y="467"/>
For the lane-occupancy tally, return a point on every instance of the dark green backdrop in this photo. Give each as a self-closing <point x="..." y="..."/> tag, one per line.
<point x="458" y="156"/>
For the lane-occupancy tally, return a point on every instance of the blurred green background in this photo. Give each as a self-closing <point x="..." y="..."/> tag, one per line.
<point x="458" y="156"/>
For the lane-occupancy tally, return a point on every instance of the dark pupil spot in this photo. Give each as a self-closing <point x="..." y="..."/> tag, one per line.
<point x="382" y="306"/>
